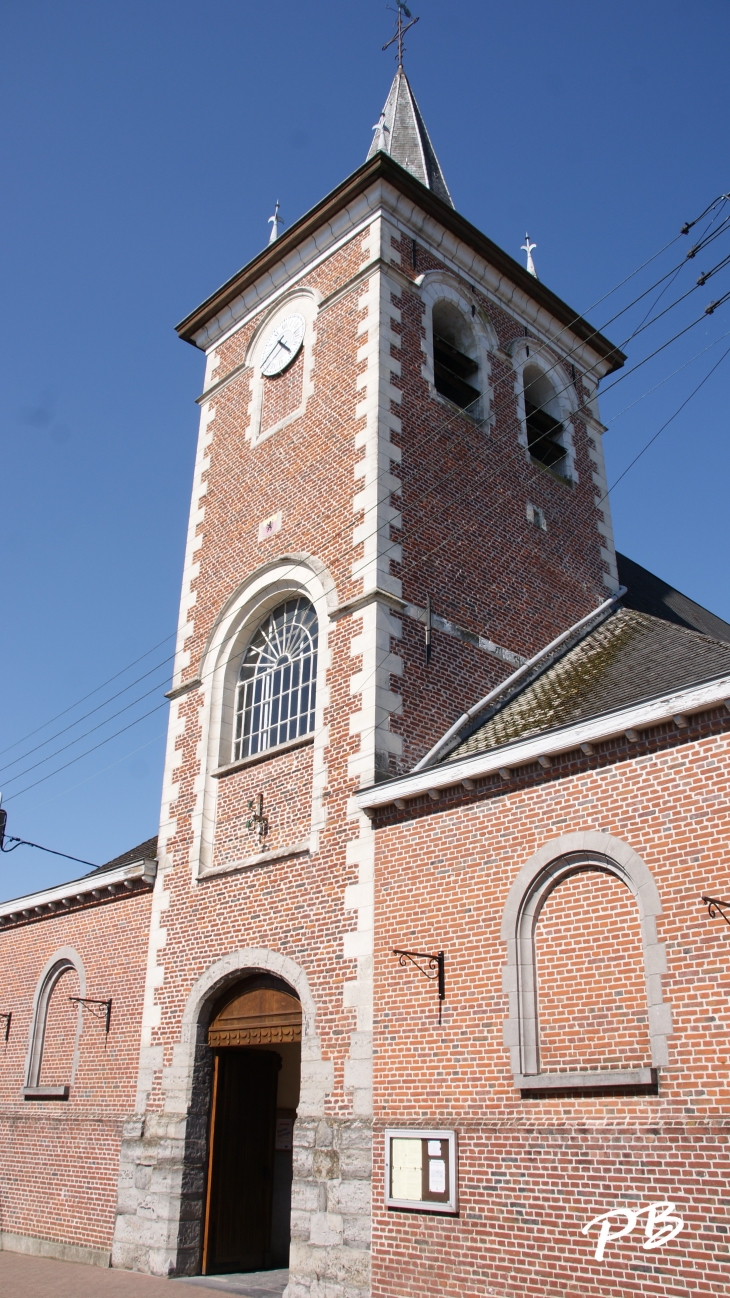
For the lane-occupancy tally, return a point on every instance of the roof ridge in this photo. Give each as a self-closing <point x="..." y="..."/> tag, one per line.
<point x="677" y="626"/>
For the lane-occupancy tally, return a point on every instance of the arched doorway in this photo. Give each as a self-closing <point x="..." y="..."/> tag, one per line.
<point x="255" y="1032"/>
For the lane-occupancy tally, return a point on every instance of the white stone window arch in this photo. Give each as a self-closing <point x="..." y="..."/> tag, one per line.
<point x="457" y="329"/>
<point x="537" y="879"/>
<point x="291" y="577"/>
<point x="300" y="301"/>
<point x="63" y="961"/>
<point x="546" y="402"/>
<point x="276" y="692"/>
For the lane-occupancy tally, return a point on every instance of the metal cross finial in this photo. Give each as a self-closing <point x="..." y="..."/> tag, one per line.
<point x="401" y="30"/>
<point x="275" y="221"/>
<point x="529" y="249"/>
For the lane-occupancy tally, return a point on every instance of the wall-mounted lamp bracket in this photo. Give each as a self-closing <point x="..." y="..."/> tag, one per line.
<point x="104" y="1012"/>
<point x="8" y="1020"/>
<point x="434" y="968"/>
<point x="715" y="907"/>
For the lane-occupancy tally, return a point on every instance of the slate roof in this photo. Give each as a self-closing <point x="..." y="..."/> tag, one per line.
<point x="146" y="851"/>
<point x="402" y="134"/>
<point x="630" y="657"/>
<point x="649" y="594"/>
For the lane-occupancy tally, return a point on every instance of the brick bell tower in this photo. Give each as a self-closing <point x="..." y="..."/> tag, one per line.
<point x="397" y="498"/>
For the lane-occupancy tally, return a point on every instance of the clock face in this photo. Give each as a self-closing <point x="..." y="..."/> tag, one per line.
<point x="282" y="345"/>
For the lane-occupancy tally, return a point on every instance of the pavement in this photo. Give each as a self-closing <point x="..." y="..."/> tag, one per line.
<point x="43" y="1277"/>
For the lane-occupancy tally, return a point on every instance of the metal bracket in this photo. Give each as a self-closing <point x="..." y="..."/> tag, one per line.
<point x="8" y="1020"/>
<point x="715" y="907"/>
<point x="104" y="1014"/>
<point x="435" y="968"/>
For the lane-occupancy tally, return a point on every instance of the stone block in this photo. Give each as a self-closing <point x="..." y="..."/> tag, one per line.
<point x="324" y="1136"/>
<point x="358" y="1073"/>
<point x="303" y="1160"/>
<point x="357" y="1232"/>
<point x="356" y="1135"/>
<point x="325" y="1229"/>
<point x="308" y="1196"/>
<point x="300" y="1224"/>
<point x="356" y="1163"/>
<point x="349" y="1197"/>
<point x="325" y="1165"/>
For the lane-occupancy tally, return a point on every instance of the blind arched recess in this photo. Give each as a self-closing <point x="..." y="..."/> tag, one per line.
<point x="276" y="692"/>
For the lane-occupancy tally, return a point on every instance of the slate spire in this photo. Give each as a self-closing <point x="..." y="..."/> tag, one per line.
<point x="401" y="132"/>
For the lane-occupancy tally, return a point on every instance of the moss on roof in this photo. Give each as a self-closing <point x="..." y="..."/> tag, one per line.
<point x="628" y="658"/>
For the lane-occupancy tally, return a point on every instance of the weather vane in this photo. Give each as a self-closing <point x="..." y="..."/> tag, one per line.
<point x="401" y="30"/>
<point x="529" y="248"/>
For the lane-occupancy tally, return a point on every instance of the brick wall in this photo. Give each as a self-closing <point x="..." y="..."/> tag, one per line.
<point x="534" y="1171"/>
<point x="59" y="1160"/>
<point x="590" y="977"/>
<point x="387" y="496"/>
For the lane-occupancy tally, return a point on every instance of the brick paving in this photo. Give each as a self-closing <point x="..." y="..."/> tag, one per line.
<point x="43" y="1277"/>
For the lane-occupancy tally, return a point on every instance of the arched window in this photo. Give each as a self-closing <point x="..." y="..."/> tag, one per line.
<point x="455" y="368"/>
<point x="584" y="969"/>
<point x="542" y="418"/>
<point x="275" y="696"/>
<point x="56" y="1029"/>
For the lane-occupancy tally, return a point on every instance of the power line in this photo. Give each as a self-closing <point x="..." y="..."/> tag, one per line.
<point x="78" y="758"/>
<point x="86" y="715"/>
<point x="91" y="693"/>
<point x="665" y="425"/>
<point x="437" y="432"/>
<point x="145" y="715"/>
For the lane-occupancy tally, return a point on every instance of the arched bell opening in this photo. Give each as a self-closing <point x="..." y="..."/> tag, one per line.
<point x="255" y="1033"/>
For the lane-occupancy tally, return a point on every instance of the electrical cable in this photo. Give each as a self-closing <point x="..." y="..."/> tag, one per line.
<point x="12" y="778"/>
<point x="664" y="425"/>
<point x="685" y="229"/>
<point x="80" y="738"/>
<point x="86" y="715"/>
<point x="93" y="749"/>
<point x="91" y="693"/>
<point x="427" y="556"/>
<point x="23" y="842"/>
<point x="454" y="416"/>
<point x="132" y="704"/>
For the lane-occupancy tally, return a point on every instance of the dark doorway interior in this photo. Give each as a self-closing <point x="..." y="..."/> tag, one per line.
<point x="256" y="1035"/>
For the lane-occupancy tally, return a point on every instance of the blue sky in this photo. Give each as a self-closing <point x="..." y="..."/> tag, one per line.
<point x="143" y="147"/>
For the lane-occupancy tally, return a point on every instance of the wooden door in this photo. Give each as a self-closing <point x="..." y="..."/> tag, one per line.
<point x="241" y="1163"/>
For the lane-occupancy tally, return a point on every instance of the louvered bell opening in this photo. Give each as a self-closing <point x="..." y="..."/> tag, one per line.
<point x="543" y="433"/>
<point x="451" y="370"/>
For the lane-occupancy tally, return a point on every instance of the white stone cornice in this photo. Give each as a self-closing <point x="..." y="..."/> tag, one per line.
<point x="91" y="887"/>
<point x="639" y="716"/>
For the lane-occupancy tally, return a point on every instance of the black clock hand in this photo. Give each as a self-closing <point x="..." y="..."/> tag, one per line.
<point x="269" y="354"/>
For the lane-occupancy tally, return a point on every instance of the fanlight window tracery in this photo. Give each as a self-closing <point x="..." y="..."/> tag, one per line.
<point x="275" y="696"/>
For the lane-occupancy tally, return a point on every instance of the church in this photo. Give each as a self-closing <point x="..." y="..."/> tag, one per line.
<point x="422" y="988"/>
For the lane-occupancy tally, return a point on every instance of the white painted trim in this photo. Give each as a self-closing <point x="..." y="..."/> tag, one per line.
<point x="443" y="286"/>
<point x="144" y="870"/>
<point x="208" y="339"/>
<point x="651" y="712"/>
<point x="383" y="200"/>
<point x="306" y="302"/>
<point x="259" y="858"/>
<point x="276" y="581"/>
